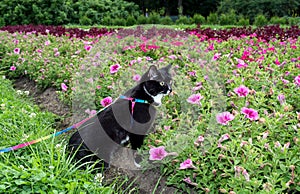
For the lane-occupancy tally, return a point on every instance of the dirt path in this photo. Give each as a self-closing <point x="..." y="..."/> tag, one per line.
<point x="48" y="100"/>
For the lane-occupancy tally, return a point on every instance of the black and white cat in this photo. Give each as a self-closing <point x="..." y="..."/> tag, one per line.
<point x="128" y="120"/>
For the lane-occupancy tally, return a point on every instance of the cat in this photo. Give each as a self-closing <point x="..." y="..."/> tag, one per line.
<point x="126" y="121"/>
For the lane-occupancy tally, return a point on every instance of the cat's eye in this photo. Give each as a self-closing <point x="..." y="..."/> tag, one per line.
<point x="162" y="83"/>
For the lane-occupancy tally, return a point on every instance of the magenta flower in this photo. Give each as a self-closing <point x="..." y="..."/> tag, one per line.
<point x="224" y="117"/>
<point x="64" y="87"/>
<point x="188" y="163"/>
<point x="224" y="138"/>
<point x="106" y="101"/>
<point x="114" y="68"/>
<point x="195" y="99"/>
<point x="47" y="42"/>
<point x="242" y="91"/>
<point x="158" y="153"/>
<point x="136" y="77"/>
<point x="216" y="56"/>
<point x="250" y="113"/>
<point x="87" y="47"/>
<point x="12" y="68"/>
<point x="297" y="80"/>
<point x="17" y="50"/>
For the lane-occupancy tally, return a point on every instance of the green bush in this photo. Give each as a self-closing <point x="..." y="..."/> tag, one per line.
<point x="119" y="22"/>
<point x="130" y="21"/>
<point x="278" y="20"/>
<point x="84" y="20"/>
<point x="198" y="19"/>
<point x="260" y="20"/>
<point x="293" y="21"/>
<point x="2" y="22"/>
<point x="228" y="18"/>
<point x="107" y="21"/>
<point x="142" y="19"/>
<point x="166" y="20"/>
<point x="212" y="18"/>
<point x="243" y="21"/>
<point x="183" y="20"/>
<point x="154" y="18"/>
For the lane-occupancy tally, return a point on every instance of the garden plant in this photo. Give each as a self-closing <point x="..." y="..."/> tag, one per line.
<point x="231" y="124"/>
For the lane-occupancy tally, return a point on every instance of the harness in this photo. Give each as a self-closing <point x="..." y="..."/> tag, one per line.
<point x="75" y="126"/>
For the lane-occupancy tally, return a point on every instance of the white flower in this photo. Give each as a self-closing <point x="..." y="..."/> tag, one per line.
<point x="32" y="115"/>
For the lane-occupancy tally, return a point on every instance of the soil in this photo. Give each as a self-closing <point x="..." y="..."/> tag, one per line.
<point x="144" y="181"/>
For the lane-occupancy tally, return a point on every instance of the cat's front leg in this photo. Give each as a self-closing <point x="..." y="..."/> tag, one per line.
<point x="136" y="142"/>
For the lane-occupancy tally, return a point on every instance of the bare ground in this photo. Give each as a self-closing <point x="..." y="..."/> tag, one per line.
<point x="149" y="181"/>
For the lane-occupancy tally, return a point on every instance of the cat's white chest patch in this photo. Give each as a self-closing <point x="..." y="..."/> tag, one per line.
<point x="157" y="99"/>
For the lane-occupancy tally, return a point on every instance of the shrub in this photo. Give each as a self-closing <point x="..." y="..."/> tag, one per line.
<point x="119" y="22"/>
<point x="84" y="20"/>
<point x="142" y="19"/>
<point x="260" y="20"/>
<point x="154" y="18"/>
<point x="212" y="18"/>
<point x="2" y="22"/>
<point x="278" y="20"/>
<point x="107" y="21"/>
<point x="228" y="19"/>
<point x="243" y="21"/>
<point x="183" y="20"/>
<point x="293" y="21"/>
<point x="166" y="20"/>
<point x="130" y="21"/>
<point x="198" y="19"/>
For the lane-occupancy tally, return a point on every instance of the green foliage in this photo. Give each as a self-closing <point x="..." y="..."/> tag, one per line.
<point x="141" y="19"/>
<point x="293" y="20"/>
<point x="166" y="20"/>
<point x="119" y="22"/>
<point x="130" y="21"/>
<point x="260" y="20"/>
<point x="107" y="21"/>
<point x="154" y="18"/>
<point x="198" y="19"/>
<point x="228" y="18"/>
<point x="212" y="19"/>
<point x="57" y="12"/>
<point x="269" y="8"/>
<point x="278" y="20"/>
<point x="243" y="21"/>
<point x="183" y="20"/>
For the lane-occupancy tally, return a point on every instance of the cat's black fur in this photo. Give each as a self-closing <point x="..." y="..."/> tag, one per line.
<point x="88" y="140"/>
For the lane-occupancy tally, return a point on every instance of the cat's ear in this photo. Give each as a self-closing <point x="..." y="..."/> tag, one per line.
<point x="153" y="72"/>
<point x="166" y="69"/>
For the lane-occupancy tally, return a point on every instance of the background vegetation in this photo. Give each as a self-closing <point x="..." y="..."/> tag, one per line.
<point x="127" y="13"/>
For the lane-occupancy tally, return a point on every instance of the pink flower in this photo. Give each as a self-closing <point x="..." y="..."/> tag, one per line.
<point x="158" y="153"/>
<point x="188" y="181"/>
<point x="265" y="134"/>
<point x="47" y="42"/>
<point x="297" y="80"/>
<point x="64" y="87"/>
<point x="250" y="113"/>
<point x="187" y="164"/>
<point x="224" y="138"/>
<point x="114" y="68"/>
<point x="87" y="47"/>
<point x="17" y="50"/>
<point x="57" y="54"/>
<point x="195" y="99"/>
<point x="246" y="175"/>
<point x="192" y="73"/>
<point x="216" y="56"/>
<point x="241" y="63"/>
<point x="200" y="140"/>
<point x="281" y="98"/>
<point x="224" y="117"/>
<point x="12" y="68"/>
<point x="242" y="91"/>
<point x="277" y="61"/>
<point x="136" y="77"/>
<point x="106" y="101"/>
<point x="90" y="112"/>
<point x="167" y="128"/>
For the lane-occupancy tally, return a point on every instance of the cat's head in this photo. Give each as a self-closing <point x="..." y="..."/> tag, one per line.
<point x="157" y="83"/>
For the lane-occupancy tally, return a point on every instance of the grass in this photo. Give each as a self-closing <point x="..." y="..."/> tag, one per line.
<point x="45" y="167"/>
